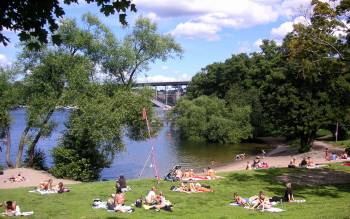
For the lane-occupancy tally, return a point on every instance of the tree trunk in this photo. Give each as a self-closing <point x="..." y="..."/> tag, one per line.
<point x="36" y="139"/>
<point x="306" y="140"/>
<point x="8" y="147"/>
<point x="21" y="147"/>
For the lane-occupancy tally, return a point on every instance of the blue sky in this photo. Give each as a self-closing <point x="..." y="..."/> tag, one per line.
<point x="208" y="30"/>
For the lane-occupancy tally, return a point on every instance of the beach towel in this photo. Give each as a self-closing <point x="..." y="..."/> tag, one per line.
<point x="346" y="164"/>
<point x="273" y="210"/>
<point x="298" y="201"/>
<point x="44" y="192"/>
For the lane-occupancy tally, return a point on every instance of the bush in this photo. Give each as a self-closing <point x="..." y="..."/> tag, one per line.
<point x="38" y="161"/>
<point x="68" y="164"/>
<point x="1" y="170"/>
<point x="79" y="157"/>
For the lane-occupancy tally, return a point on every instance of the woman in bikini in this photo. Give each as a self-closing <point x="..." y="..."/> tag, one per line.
<point x="239" y="200"/>
<point x="46" y="185"/>
<point x="262" y="202"/>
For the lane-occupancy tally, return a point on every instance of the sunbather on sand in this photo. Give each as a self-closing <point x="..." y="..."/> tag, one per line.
<point x="310" y="162"/>
<point x="46" y="185"/>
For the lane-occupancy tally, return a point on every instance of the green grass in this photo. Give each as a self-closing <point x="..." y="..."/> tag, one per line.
<point x="326" y="201"/>
<point x="343" y="144"/>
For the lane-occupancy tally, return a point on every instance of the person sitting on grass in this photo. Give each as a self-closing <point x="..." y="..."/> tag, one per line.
<point x="161" y="203"/>
<point x="46" y="185"/>
<point x="151" y="196"/>
<point x="121" y="184"/>
<point x="288" y="193"/>
<point x="178" y="174"/>
<point x="191" y="173"/>
<point x="239" y="200"/>
<point x="263" y="202"/>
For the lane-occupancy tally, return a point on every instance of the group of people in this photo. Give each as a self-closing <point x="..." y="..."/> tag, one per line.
<point x="152" y="200"/>
<point x="18" y="178"/>
<point x="176" y="174"/>
<point x="191" y="186"/>
<point x="47" y="186"/>
<point x="257" y="164"/>
<point x="306" y="162"/>
<point x="261" y="201"/>
<point x="333" y="156"/>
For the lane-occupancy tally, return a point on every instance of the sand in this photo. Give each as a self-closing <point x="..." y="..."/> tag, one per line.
<point x="32" y="178"/>
<point x="282" y="154"/>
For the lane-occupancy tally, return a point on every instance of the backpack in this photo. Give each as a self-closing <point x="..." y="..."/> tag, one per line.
<point x="138" y="203"/>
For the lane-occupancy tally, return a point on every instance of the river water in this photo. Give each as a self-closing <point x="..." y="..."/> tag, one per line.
<point x="170" y="150"/>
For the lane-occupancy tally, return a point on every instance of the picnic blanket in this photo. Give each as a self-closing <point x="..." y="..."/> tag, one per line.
<point x="98" y="204"/>
<point x="44" y="192"/>
<point x="271" y="209"/>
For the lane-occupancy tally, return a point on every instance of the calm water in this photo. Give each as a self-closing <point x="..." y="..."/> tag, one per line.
<point x="169" y="149"/>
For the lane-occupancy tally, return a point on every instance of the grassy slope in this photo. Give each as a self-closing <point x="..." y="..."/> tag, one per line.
<point x="322" y="201"/>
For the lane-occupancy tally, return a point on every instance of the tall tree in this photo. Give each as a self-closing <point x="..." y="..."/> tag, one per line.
<point x="313" y="87"/>
<point x="33" y="18"/>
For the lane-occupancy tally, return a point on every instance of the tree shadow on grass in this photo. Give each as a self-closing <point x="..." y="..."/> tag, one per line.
<point x="305" y="181"/>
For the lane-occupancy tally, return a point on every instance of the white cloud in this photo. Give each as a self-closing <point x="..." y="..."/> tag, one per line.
<point x="4" y="61"/>
<point x="286" y="27"/>
<point x="152" y="16"/>
<point x="156" y="78"/>
<point x="193" y="30"/>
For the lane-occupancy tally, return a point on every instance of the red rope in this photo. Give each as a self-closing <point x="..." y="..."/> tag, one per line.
<point x="153" y="152"/>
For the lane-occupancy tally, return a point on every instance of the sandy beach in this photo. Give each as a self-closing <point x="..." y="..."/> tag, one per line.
<point x="282" y="153"/>
<point x="32" y="178"/>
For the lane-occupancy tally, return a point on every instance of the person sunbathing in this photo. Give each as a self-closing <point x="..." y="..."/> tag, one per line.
<point x="310" y="162"/>
<point x="196" y="187"/>
<point x="239" y="200"/>
<point x="46" y="185"/>
<point x="257" y="162"/>
<point x="288" y="193"/>
<point x="211" y="173"/>
<point x="10" y="208"/>
<point x="186" y="174"/>
<point x="344" y="155"/>
<point x="151" y="196"/>
<point x="191" y="173"/>
<point x="59" y="188"/>
<point x="119" y="198"/>
<point x="178" y="174"/>
<point x="304" y="162"/>
<point x="263" y="202"/>
<point x="292" y="163"/>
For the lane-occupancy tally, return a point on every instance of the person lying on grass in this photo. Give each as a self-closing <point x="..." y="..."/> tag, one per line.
<point x="59" y="188"/>
<point x="46" y="185"/>
<point x="10" y="208"/>
<point x="211" y="173"/>
<point x="239" y="200"/>
<point x="263" y="202"/>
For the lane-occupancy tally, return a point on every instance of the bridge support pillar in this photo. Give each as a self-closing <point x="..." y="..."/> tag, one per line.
<point x="166" y="95"/>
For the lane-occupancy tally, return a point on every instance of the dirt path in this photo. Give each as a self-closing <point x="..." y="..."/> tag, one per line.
<point x="33" y="178"/>
<point x="282" y="154"/>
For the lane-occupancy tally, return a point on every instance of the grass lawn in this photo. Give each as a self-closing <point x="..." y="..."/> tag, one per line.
<point x="322" y="201"/>
<point x="344" y="143"/>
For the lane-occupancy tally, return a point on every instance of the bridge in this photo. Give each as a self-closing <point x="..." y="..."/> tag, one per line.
<point x="166" y="97"/>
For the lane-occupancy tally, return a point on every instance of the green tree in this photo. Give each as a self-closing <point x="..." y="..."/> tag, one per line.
<point x="210" y="119"/>
<point x="33" y="19"/>
<point x="313" y="87"/>
<point x="143" y="46"/>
